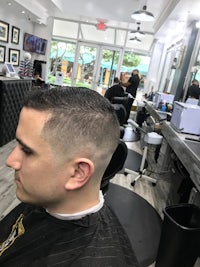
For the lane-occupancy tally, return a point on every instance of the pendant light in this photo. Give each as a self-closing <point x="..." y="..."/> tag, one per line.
<point x="138" y="33"/>
<point x="143" y="15"/>
<point x="135" y="40"/>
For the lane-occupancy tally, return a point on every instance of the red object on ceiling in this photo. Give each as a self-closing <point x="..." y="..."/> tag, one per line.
<point x="101" y="26"/>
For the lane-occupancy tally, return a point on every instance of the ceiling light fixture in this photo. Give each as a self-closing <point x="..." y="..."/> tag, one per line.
<point x="143" y="15"/>
<point x="198" y="24"/>
<point x="135" y="40"/>
<point x="138" y="33"/>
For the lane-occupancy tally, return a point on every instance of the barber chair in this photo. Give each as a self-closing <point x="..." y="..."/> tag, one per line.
<point x="116" y="164"/>
<point x="126" y="101"/>
<point x="129" y="134"/>
<point x="121" y="115"/>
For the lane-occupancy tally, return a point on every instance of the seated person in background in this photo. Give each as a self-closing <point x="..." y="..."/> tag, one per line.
<point x="59" y="161"/>
<point x="193" y="90"/>
<point x="115" y="90"/>
<point x="38" y="80"/>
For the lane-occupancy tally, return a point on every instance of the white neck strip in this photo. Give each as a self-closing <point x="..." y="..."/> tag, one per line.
<point x="81" y="214"/>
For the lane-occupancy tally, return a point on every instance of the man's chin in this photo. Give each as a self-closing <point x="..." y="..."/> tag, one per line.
<point x="22" y="197"/>
<point x="19" y="197"/>
<point x="25" y="199"/>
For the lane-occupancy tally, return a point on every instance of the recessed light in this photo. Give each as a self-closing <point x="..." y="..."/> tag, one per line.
<point x="9" y="4"/>
<point x="23" y="12"/>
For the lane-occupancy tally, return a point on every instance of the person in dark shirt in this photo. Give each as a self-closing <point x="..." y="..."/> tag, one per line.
<point x="59" y="160"/>
<point x="194" y="90"/>
<point x="38" y="81"/>
<point x="114" y="91"/>
<point x="133" y="83"/>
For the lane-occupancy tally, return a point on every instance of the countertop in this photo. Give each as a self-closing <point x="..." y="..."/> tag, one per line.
<point x="187" y="151"/>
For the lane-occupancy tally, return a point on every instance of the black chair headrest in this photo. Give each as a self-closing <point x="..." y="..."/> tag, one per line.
<point x="116" y="163"/>
<point x="120" y="100"/>
<point x="121" y="113"/>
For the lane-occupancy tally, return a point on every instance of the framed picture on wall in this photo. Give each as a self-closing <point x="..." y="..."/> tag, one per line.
<point x="15" y="35"/>
<point x="14" y="56"/>
<point x="2" y="53"/>
<point x="4" y="31"/>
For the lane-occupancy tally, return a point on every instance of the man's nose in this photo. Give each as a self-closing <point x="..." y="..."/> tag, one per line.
<point x="14" y="159"/>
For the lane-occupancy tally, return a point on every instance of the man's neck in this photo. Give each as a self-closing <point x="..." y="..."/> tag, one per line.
<point x="80" y="214"/>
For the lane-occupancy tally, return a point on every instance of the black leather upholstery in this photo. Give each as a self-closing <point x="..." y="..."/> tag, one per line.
<point x="12" y="94"/>
<point x="121" y="113"/>
<point x="116" y="164"/>
<point x="127" y="101"/>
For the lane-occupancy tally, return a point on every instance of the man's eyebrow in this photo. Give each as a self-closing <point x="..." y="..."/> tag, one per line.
<point x="23" y="144"/>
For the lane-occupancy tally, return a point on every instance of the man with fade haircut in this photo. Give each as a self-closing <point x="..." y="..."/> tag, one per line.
<point x="65" y="140"/>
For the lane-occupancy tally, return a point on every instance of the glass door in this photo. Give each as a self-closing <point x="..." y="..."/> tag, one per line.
<point x="96" y="66"/>
<point x="84" y="72"/>
<point x="108" y="67"/>
<point x="62" y="57"/>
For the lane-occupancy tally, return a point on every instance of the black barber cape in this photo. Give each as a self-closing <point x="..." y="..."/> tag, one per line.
<point x="29" y="236"/>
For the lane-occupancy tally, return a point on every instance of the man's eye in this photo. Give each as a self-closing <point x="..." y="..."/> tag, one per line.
<point x="26" y="151"/>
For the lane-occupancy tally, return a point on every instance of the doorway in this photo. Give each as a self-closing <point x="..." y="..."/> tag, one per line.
<point x="108" y="67"/>
<point x="92" y="65"/>
<point x="96" y="66"/>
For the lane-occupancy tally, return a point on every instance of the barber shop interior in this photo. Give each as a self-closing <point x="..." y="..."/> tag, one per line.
<point x="143" y="57"/>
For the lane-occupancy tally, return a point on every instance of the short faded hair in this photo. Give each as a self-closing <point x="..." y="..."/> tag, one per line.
<point x="81" y="121"/>
<point x="196" y="82"/>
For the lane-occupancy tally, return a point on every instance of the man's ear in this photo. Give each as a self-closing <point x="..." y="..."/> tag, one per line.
<point x="83" y="170"/>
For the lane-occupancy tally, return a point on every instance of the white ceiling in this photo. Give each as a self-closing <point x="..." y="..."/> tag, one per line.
<point x="171" y="16"/>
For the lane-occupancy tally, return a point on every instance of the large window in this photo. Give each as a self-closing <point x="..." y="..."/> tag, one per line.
<point x="112" y="35"/>
<point x="62" y="58"/>
<point x="92" y="58"/>
<point x="63" y="28"/>
<point x="85" y="70"/>
<point x="196" y="69"/>
<point x="133" y="61"/>
<point x="90" y="33"/>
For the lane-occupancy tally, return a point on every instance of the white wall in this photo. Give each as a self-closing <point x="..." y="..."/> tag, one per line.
<point x="46" y="32"/>
<point x="25" y="25"/>
<point x="159" y="65"/>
